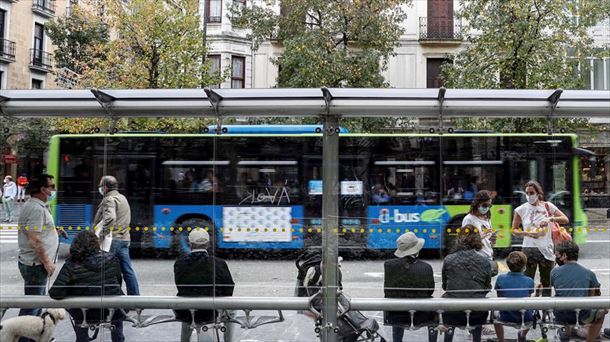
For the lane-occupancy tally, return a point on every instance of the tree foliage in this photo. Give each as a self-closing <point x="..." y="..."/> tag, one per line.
<point x="342" y="43"/>
<point x="524" y="44"/>
<point x="155" y="44"/>
<point x="77" y="38"/>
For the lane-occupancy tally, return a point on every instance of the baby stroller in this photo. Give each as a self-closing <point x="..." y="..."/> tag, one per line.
<point x="352" y="325"/>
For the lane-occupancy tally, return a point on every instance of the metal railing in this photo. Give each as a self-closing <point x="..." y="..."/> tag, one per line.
<point x="41" y="60"/>
<point x="45" y="7"/>
<point x="7" y="49"/>
<point x="439" y="29"/>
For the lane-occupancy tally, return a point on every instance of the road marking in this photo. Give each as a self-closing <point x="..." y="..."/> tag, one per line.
<point x="598" y="241"/>
<point x="8" y="235"/>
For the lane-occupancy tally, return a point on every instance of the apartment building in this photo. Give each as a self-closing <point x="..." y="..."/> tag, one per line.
<point x="26" y="53"/>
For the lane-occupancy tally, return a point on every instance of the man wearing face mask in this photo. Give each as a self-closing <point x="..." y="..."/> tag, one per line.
<point x="114" y="216"/>
<point x="532" y="222"/>
<point x="38" y="240"/>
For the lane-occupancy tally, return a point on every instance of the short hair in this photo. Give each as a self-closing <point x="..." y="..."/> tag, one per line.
<point x="516" y="261"/>
<point x="110" y="182"/>
<point x="468" y="238"/>
<point x="199" y="245"/>
<point x="537" y="187"/>
<point x="9" y="177"/>
<point x="570" y="249"/>
<point x="39" y="181"/>
<point x="84" y="244"/>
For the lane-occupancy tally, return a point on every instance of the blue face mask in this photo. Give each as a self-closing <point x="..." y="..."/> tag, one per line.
<point x="52" y="195"/>
<point x="483" y="210"/>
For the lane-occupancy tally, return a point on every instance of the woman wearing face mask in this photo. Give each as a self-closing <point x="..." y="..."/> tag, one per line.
<point x="535" y="217"/>
<point x="480" y="217"/>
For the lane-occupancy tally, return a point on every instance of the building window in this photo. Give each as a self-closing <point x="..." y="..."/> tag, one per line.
<point x="38" y="37"/>
<point x="238" y="72"/>
<point x="214" y="70"/>
<point x="213" y="10"/>
<point x="433" y="72"/>
<point x="2" y="22"/>
<point x="36" y="84"/>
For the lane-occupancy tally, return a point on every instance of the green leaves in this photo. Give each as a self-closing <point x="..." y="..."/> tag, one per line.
<point x="342" y="43"/>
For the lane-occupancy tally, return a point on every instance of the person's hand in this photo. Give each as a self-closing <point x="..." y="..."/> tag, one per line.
<point x="50" y="268"/>
<point x="493" y="238"/>
<point x="62" y="233"/>
<point x="544" y="223"/>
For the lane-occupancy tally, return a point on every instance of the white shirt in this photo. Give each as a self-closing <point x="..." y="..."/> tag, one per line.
<point x="531" y="219"/>
<point x="484" y="227"/>
<point x="10" y="190"/>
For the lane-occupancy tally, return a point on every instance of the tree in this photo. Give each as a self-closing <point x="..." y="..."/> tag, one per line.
<point x="76" y="37"/>
<point x="343" y="43"/>
<point x="156" y="44"/>
<point x="524" y="44"/>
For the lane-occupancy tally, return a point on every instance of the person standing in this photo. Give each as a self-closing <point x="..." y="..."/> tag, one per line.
<point x="198" y="274"/>
<point x="8" y="200"/>
<point x="22" y="183"/>
<point x="38" y="240"/>
<point x="534" y="218"/>
<point x="408" y="277"/>
<point x="479" y="216"/>
<point x="113" y="215"/>
<point x="90" y="272"/>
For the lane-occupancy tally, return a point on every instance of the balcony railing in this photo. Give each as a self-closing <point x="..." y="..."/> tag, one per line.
<point x="214" y="19"/>
<point x="40" y="60"/>
<point x="7" y="50"/>
<point x="44" y="7"/>
<point x="446" y="29"/>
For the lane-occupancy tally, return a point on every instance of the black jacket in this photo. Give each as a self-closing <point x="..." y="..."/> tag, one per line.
<point x="98" y="275"/>
<point x="199" y="275"/>
<point x="408" y="277"/>
<point x="466" y="274"/>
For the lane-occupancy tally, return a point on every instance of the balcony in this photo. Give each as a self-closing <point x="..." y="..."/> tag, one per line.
<point x="40" y="60"/>
<point x="45" y="8"/>
<point x="214" y="19"/>
<point x="440" y="30"/>
<point x="7" y="51"/>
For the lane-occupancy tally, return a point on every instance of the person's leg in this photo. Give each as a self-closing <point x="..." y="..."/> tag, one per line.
<point x="35" y="281"/>
<point x="499" y="331"/>
<point x="397" y="333"/>
<point x="82" y="334"/>
<point x="116" y="334"/>
<point x="521" y="335"/>
<point x="530" y="269"/>
<point x="432" y="334"/>
<point x="6" y="209"/>
<point x="121" y="250"/>
<point x="9" y="210"/>
<point x="594" y="329"/>
<point x="185" y="332"/>
<point x="230" y="327"/>
<point x="546" y="266"/>
<point x="449" y="335"/>
<point x="476" y="334"/>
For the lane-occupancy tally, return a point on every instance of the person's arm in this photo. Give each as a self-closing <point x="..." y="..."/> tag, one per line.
<point x="35" y="242"/>
<point x="62" y="284"/>
<point x="108" y="216"/>
<point x="444" y="275"/>
<point x="559" y="217"/>
<point x="430" y="282"/>
<point x="594" y="287"/>
<point x="227" y="285"/>
<point x="517" y="231"/>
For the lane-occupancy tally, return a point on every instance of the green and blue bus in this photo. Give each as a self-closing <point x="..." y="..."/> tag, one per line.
<point x="260" y="187"/>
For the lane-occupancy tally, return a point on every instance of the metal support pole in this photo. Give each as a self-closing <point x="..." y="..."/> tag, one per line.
<point x="330" y="218"/>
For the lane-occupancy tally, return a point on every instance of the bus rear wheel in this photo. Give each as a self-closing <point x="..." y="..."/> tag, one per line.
<point x="179" y="240"/>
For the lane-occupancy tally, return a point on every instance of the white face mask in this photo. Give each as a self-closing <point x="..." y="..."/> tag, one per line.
<point x="483" y="210"/>
<point x="101" y="190"/>
<point x="531" y="199"/>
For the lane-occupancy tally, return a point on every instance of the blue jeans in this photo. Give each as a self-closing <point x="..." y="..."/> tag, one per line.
<point x="116" y="334"/>
<point x="35" y="282"/>
<point x="121" y="250"/>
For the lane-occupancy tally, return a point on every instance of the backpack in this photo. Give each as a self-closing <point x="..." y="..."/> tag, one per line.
<point x="309" y="274"/>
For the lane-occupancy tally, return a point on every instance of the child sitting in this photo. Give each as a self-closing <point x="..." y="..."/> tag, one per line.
<point x="514" y="284"/>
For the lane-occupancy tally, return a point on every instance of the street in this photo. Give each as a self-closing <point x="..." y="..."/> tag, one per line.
<point x="273" y="278"/>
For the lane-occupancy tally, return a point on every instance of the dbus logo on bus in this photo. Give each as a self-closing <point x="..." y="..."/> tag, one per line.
<point x="398" y="217"/>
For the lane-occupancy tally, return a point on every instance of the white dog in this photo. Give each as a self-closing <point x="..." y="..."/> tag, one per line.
<point x="37" y="328"/>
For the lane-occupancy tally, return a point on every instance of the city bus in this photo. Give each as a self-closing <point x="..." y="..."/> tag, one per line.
<point x="260" y="187"/>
